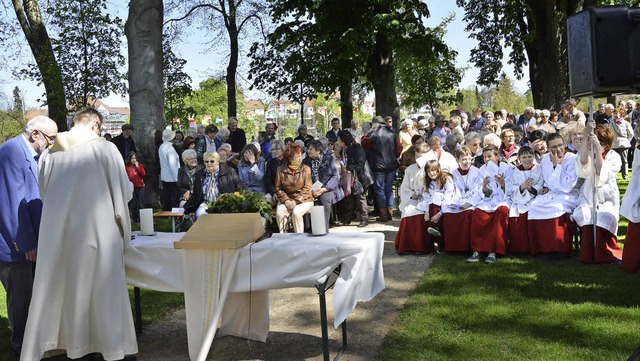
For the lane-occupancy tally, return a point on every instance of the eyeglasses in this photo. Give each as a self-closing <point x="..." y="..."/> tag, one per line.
<point x="210" y="161"/>
<point x="49" y="138"/>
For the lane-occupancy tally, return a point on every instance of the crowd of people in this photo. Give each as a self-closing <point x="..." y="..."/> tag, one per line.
<point x="486" y="183"/>
<point x="522" y="185"/>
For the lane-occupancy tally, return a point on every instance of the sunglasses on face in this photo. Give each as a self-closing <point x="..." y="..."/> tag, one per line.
<point x="209" y="161"/>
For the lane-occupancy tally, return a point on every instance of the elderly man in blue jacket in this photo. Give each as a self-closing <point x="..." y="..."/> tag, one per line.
<point x="20" y="218"/>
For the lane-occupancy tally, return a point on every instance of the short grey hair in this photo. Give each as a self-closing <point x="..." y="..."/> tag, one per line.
<point x="40" y="122"/>
<point x="470" y="137"/>
<point x="225" y="146"/>
<point x="223" y="132"/>
<point x="209" y="155"/>
<point x="491" y="138"/>
<point x="189" y="153"/>
<point x="277" y="143"/>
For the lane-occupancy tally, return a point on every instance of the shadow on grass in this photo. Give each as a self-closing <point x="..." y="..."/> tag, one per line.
<point x="519" y="308"/>
<point x="5" y="334"/>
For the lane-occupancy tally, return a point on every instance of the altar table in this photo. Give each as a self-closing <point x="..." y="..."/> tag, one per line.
<point x="282" y="261"/>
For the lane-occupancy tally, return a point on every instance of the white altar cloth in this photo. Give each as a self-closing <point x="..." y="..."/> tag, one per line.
<point x="282" y="261"/>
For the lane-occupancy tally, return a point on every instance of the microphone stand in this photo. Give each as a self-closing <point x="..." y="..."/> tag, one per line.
<point x="595" y="201"/>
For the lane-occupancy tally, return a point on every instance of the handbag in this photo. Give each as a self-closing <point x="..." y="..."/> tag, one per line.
<point x="346" y="182"/>
<point x="357" y="188"/>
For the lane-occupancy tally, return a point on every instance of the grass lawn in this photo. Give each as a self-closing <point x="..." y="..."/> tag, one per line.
<point x="519" y="309"/>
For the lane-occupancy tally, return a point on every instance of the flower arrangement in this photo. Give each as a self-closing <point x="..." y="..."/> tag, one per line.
<point x="242" y="202"/>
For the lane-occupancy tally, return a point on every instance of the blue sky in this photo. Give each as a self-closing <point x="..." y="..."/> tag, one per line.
<point x="201" y="65"/>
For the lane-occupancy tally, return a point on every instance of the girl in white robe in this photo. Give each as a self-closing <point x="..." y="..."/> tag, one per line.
<point x="524" y="184"/>
<point x="412" y="234"/>
<point x="630" y="209"/>
<point x="600" y="173"/>
<point x="549" y="225"/>
<point x="489" y="221"/>
<point x="439" y="192"/>
<point x="457" y="214"/>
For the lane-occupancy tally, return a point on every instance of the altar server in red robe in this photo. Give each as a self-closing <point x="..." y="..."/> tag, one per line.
<point x="600" y="171"/>
<point x="549" y="227"/>
<point x="630" y="209"/>
<point x="412" y="234"/>
<point x="525" y="183"/>
<point x="489" y="221"/>
<point x="468" y="193"/>
<point x="439" y="192"/>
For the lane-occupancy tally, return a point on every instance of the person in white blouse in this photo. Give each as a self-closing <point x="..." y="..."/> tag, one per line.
<point x="598" y="164"/>
<point x="524" y="185"/>
<point x="630" y="209"/>
<point x="489" y="221"/>
<point x="549" y="227"/>
<point x="412" y="234"/>
<point x="438" y="193"/>
<point x="457" y="214"/>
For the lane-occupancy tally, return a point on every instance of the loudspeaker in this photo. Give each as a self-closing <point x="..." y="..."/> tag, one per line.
<point x="603" y="46"/>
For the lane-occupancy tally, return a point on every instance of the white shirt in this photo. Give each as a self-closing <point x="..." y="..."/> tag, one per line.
<point x="169" y="162"/>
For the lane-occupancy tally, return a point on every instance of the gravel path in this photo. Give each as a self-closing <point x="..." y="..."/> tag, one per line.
<point x="295" y="319"/>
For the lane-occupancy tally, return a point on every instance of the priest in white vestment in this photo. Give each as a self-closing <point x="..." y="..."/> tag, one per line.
<point x="600" y="171"/>
<point x="80" y="301"/>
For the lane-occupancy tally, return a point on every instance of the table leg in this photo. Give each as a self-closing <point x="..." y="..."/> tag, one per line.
<point x="138" y="310"/>
<point x="323" y="323"/>
<point x="173" y="224"/>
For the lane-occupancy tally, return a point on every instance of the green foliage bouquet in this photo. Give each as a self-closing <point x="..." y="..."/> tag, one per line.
<point x="242" y="202"/>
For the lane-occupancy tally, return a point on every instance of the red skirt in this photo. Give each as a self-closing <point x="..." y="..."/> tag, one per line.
<point x="457" y="237"/>
<point x="607" y="249"/>
<point x="631" y="254"/>
<point x="412" y="236"/>
<point x="518" y="237"/>
<point x="489" y="230"/>
<point x="550" y="235"/>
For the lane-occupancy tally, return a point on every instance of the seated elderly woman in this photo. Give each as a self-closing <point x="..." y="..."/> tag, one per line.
<point x="293" y="189"/>
<point x="224" y="151"/>
<point x="186" y="174"/>
<point x="325" y="172"/>
<point x="251" y="169"/>
<point x="210" y="182"/>
<point x="221" y="137"/>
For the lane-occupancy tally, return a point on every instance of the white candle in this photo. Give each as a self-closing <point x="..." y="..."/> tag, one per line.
<point x="318" y="222"/>
<point x="146" y="221"/>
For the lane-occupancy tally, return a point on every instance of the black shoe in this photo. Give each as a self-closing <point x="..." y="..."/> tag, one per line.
<point x="363" y="223"/>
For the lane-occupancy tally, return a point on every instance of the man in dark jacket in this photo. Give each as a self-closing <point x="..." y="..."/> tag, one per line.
<point x="237" y="136"/>
<point x="324" y="172"/>
<point x="124" y="142"/>
<point x="332" y="134"/>
<point x="384" y="149"/>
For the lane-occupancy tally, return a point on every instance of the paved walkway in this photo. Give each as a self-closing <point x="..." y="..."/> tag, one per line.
<point x="295" y="320"/>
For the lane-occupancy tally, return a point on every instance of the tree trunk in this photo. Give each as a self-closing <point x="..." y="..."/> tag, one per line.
<point x="232" y="28"/>
<point x="144" y="35"/>
<point x="346" y="104"/>
<point x="383" y="79"/>
<point x="30" y="19"/>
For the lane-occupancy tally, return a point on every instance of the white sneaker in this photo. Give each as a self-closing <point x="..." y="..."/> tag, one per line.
<point x="475" y="257"/>
<point x="491" y="258"/>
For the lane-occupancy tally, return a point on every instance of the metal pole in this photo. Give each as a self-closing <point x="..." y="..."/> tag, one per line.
<point x="595" y="201"/>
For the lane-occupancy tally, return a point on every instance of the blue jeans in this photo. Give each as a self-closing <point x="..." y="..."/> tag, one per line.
<point x="383" y="186"/>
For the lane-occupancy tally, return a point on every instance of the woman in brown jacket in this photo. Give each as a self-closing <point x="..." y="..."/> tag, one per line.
<point x="293" y="189"/>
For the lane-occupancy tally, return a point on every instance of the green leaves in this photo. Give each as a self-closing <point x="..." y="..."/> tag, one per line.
<point x="177" y="87"/>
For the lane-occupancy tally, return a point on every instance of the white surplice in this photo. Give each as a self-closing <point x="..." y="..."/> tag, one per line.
<point x="441" y="197"/>
<point x="468" y="189"/>
<point x="630" y="208"/>
<point x="447" y="161"/>
<point x="80" y="300"/>
<point x="498" y="195"/>
<point x="561" y="181"/>
<point x="607" y="194"/>
<point x="412" y="184"/>
<point x="520" y="200"/>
